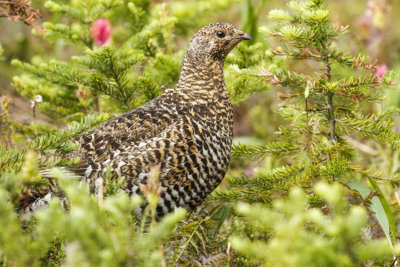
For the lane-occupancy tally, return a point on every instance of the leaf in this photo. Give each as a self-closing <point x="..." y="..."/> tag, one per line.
<point x="388" y="215"/>
<point x="379" y="206"/>
<point x="360" y="188"/>
<point x="220" y="216"/>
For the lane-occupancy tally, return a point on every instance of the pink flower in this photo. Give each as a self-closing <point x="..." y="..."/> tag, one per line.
<point x="381" y="70"/>
<point x="80" y="94"/>
<point x="101" y="32"/>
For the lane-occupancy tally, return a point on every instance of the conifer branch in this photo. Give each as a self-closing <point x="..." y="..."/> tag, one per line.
<point x="11" y="159"/>
<point x="307" y="110"/>
<point x="59" y="139"/>
<point x="331" y="107"/>
<point x="320" y="108"/>
<point x="21" y="10"/>
<point x="117" y="80"/>
<point x="259" y="151"/>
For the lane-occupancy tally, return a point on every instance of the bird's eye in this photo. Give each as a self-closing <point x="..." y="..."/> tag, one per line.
<point x="220" y="34"/>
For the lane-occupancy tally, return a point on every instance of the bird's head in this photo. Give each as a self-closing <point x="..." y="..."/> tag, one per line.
<point x="213" y="43"/>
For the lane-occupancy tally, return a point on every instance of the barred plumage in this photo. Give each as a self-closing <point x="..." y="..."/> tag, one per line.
<point x="187" y="131"/>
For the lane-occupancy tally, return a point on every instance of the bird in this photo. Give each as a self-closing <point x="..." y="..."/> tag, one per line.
<point x="186" y="132"/>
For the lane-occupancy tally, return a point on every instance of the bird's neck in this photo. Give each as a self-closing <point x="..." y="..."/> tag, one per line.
<point x="201" y="75"/>
<point x="203" y="86"/>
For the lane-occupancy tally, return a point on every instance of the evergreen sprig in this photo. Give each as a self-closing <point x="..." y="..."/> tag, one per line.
<point x="53" y="142"/>
<point x="304" y="236"/>
<point x="255" y="152"/>
<point x="118" y="75"/>
<point x="60" y="139"/>
<point x="322" y="105"/>
<point x="106" y="73"/>
<point x="242" y="63"/>
<point x="10" y="159"/>
<point x="82" y="15"/>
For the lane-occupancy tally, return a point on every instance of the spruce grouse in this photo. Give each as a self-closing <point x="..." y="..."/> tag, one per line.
<point x="187" y="131"/>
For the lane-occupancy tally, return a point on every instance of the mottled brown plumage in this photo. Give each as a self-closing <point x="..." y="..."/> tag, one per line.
<point x="187" y="131"/>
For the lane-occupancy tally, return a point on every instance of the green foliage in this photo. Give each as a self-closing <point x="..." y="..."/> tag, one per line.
<point x="192" y="14"/>
<point x="10" y="159"/>
<point x="324" y="109"/>
<point x="93" y="234"/>
<point x="242" y="62"/>
<point x="321" y="108"/>
<point x="304" y="236"/>
<point x="49" y="142"/>
<point x="258" y="151"/>
<point x="113" y="73"/>
<point x="379" y="206"/>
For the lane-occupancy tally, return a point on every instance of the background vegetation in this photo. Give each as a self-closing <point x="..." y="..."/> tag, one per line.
<point x="315" y="169"/>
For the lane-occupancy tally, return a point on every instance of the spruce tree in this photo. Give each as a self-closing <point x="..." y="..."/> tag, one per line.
<point x="324" y="110"/>
<point x="319" y="108"/>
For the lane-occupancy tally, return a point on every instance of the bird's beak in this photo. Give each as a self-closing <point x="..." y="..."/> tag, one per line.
<point x="245" y="36"/>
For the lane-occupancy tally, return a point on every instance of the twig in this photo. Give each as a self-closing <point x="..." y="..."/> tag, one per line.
<point x="229" y="253"/>
<point x="308" y="132"/>
<point x="117" y="81"/>
<point x="4" y="104"/>
<point x="331" y="108"/>
<point x="364" y="148"/>
<point x="161" y="250"/>
<point x="25" y="203"/>
<point x="190" y="238"/>
<point x="369" y="197"/>
<point x="394" y="261"/>
<point x="34" y="103"/>
<point x="8" y="133"/>
<point x="3" y="140"/>
<point x="21" y="10"/>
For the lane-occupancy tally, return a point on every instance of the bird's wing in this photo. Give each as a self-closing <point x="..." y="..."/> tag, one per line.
<point x="124" y="134"/>
<point x="140" y="124"/>
<point x="172" y="150"/>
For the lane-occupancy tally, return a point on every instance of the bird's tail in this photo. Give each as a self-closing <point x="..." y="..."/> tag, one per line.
<point x="38" y="198"/>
